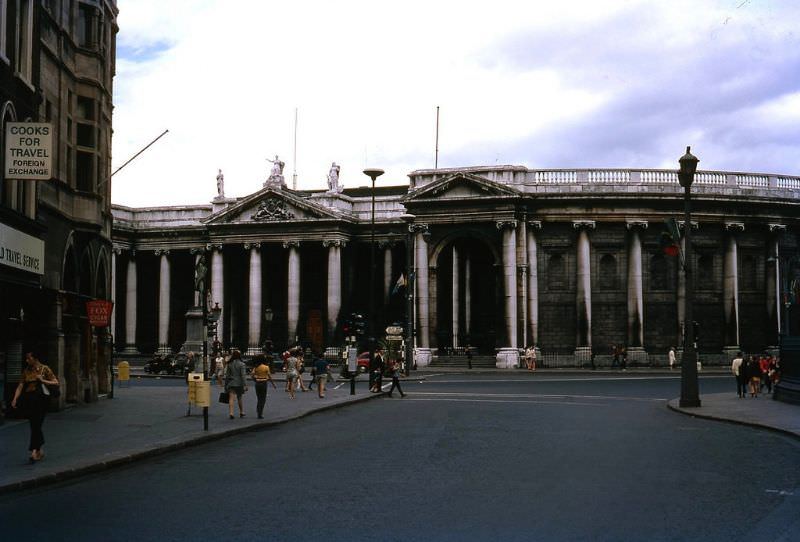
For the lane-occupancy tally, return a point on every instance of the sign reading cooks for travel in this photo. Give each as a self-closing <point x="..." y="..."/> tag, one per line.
<point x="29" y="153"/>
<point x="21" y="251"/>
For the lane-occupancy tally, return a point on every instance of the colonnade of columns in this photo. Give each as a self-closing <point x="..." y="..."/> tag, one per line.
<point x="520" y="287"/>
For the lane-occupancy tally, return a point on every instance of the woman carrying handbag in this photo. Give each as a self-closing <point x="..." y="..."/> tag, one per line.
<point x="34" y="392"/>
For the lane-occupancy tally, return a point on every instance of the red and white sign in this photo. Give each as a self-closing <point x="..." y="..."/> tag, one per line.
<point x="99" y="312"/>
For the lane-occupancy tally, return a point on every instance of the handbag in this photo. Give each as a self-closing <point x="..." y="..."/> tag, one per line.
<point x="53" y="390"/>
<point x="223" y="397"/>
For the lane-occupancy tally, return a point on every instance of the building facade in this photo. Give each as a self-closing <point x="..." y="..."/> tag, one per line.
<point x="502" y="257"/>
<point x="57" y="66"/>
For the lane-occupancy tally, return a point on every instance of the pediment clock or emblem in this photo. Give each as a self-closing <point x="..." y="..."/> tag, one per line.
<point x="271" y="210"/>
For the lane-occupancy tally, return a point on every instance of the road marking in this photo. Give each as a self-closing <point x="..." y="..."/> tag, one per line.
<point x="781" y="492"/>
<point x="540" y="396"/>
<point x="588" y="379"/>
<point x="454" y="400"/>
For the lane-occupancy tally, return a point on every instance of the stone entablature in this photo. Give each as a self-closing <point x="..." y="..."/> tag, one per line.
<point x="620" y="180"/>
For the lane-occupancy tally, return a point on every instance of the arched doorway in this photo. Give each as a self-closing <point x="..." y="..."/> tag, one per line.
<point x="467" y="297"/>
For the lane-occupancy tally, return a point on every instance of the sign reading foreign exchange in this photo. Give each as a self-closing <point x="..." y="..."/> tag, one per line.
<point x="21" y="251"/>
<point x="29" y="153"/>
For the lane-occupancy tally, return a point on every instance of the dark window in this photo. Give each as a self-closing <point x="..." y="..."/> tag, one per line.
<point x="556" y="271"/>
<point x="86" y="26"/>
<point x="85" y="108"/>
<point x="607" y="280"/>
<point x="85" y="135"/>
<point x="658" y="272"/>
<point x="705" y="272"/>
<point x="85" y="171"/>
<point x="748" y="273"/>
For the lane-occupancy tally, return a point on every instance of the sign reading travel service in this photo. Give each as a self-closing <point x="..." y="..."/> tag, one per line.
<point x="29" y="153"/>
<point x="21" y="251"/>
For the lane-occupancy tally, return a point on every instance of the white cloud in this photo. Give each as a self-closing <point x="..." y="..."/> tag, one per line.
<point x="226" y="76"/>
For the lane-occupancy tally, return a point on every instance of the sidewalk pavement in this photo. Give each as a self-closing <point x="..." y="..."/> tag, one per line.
<point x="761" y="412"/>
<point x="146" y="420"/>
<point x="143" y="421"/>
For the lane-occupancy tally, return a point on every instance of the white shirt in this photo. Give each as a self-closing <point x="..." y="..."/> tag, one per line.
<point x="736" y="366"/>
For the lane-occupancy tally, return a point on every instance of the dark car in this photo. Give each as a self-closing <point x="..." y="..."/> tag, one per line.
<point x="160" y="364"/>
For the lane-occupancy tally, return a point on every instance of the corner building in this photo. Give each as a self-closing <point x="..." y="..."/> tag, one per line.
<point x="503" y="257"/>
<point x="57" y="62"/>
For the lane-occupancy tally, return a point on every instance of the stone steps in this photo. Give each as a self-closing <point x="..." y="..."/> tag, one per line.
<point x="460" y="361"/>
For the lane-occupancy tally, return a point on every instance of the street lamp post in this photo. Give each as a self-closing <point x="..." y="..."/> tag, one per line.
<point x="373" y="174"/>
<point x="409" y="353"/>
<point x="690" y="395"/>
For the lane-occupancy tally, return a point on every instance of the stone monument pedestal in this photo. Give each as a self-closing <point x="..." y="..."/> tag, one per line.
<point x="422" y="357"/>
<point x="507" y="358"/>
<point x="195" y="331"/>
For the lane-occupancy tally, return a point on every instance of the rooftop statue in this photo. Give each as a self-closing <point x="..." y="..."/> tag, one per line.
<point x="220" y="185"/>
<point x="333" y="178"/>
<point x="276" y="175"/>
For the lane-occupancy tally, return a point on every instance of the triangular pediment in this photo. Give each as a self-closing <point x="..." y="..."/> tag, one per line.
<point x="462" y="186"/>
<point x="273" y="205"/>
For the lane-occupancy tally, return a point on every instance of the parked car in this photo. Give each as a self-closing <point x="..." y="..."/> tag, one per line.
<point x="160" y="364"/>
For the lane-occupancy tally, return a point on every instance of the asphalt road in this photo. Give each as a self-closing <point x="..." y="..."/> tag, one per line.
<point x="462" y="457"/>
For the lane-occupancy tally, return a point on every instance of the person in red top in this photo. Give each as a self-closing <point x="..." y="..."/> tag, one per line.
<point x="763" y="364"/>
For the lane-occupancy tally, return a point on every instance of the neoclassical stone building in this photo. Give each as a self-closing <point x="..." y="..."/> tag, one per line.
<point x="504" y="256"/>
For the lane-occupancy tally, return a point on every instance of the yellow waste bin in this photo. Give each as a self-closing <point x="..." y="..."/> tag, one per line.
<point x="123" y="371"/>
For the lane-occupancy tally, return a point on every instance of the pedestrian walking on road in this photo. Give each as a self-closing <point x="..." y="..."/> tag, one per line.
<point x="321" y="374"/>
<point x="469" y="357"/>
<point x="738" y="372"/>
<point x="235" y="382"/>
<point x="754" y="373"/>
<point x="33" y="398"/>
<point x="218" y="370"/>
<point x="262" y="375"/>
<point x="671" y="357"/>
<point x="615" y="356"/>
<point x="623" y="352"/>
<point x="763" y="364"/>
<point x="379" y="365"/>
<point x="301" y="368"/>
<point x="394" y="369"/>
<point x="291" y="372"/>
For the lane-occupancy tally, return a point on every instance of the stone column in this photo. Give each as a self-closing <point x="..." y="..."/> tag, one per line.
<point x="387" y="270"/>
<point x="730" y="289"/>
<point x="254" y="305"/>
<point x="583" y="297"/>
<point x="218" y="287"/>
<point x="113" y="291"/>
<point x="163" y="301"/>
<point x="334" y="284"/>
<point x="130" y="305"/>
<point x="293" y="289"/>
<point x="508" y="356"/>
<point x="467" y="296"/>
<point x="422" y="354"/>
<point x="635" y="333"/>
<point x="533" y="283"/>
<point x="456" y="300"/>
<point x="773" y="282"/>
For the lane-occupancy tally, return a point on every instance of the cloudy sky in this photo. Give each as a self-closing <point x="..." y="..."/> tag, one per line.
<point x="567" y="84"/>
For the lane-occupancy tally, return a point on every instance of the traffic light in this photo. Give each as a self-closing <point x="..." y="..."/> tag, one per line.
<point x="359" y="325"/>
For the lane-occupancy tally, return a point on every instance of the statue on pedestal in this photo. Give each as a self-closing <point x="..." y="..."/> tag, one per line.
<point x="276" y="175"/>
<point x="220" y="185"/>
<point x="333" y="178"/>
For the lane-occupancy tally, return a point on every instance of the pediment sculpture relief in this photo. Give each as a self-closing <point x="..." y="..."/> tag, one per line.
<point x="271" y="210"/>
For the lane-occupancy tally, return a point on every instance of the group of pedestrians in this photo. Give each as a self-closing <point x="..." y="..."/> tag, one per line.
<point x="754" y="373"/>
<point x="378" y="367"/>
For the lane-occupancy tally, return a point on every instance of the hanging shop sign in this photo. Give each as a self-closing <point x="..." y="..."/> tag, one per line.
<point x="21" y="251"/>
<point x="29" y="151"/>
<point x="99" y="312"/>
